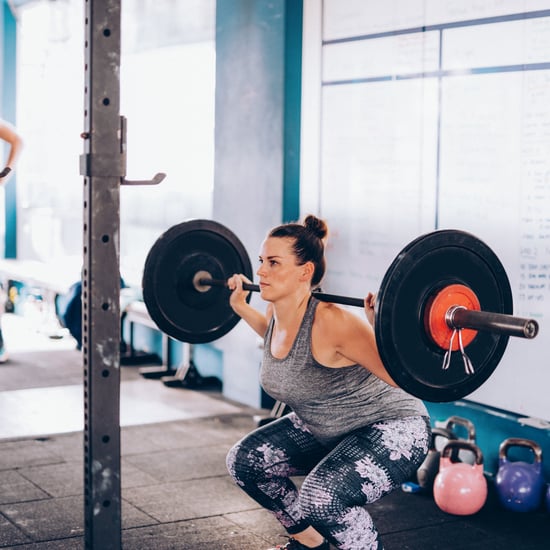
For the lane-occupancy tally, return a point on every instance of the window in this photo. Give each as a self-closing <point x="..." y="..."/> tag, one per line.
<point x="167" y="96"/>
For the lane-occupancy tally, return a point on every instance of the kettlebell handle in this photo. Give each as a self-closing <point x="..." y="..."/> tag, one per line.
<point x="441" y="432"/>
<point x="520" y="442"/>
<point x="459" y="421"/>
<point x="456" y="444"/>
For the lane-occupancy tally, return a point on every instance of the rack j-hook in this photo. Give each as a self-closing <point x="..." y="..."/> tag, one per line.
<point x="86" y="168"/>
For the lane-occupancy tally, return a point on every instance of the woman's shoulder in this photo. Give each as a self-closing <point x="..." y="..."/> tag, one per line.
<point x="336" y="317"/>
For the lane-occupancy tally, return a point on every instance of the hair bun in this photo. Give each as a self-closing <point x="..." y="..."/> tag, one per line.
<point x="316" y="225"/>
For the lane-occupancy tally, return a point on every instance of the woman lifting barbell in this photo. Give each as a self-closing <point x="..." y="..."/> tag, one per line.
<point x="9" y="135"/>
<point x="352" y="433"/>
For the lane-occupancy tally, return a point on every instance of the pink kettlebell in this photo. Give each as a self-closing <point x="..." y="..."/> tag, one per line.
<point x="460" y="488"/>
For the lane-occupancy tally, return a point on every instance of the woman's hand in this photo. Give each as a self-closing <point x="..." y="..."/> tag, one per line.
<point x="256" y="319"/>
<point x="238" y="295"/>
<point x="369" y="307"/>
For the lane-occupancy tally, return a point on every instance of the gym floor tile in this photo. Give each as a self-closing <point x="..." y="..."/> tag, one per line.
<point x="73" y="543"/>
<point x="17" y="454"/>
<point x="261" y="523"/>
<point x="10" y="534"/>
<point x="200" y="534"/>
<point x="47" y="519"/>
<point x="60" y="518"/>
<point x="16" y="488"/>
<point x="57" y="480"/>
<point x="192" y="499"/>
<point x="183" y="435"/>
<point x="183" y="464"/>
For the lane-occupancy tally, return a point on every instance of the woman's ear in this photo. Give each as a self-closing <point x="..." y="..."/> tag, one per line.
<point x="308" y="269"/>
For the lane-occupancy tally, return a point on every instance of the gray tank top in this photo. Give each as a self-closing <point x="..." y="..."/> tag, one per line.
<point x="332" y="402"/>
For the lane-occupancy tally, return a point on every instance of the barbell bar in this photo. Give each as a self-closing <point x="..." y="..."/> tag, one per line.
<point x="459" y="317"/>
<point x="442" y="284"/>
<point x="456" y="317"/>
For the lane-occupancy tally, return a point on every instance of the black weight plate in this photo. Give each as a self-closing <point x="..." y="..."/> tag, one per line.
<point x="424" y="266"/>
<point x="173" y="302"/>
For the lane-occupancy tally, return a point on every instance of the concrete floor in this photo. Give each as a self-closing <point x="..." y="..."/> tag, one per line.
<point x="176" y="493"/>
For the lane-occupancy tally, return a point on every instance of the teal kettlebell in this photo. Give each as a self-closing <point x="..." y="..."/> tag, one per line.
<point x="430" y="467"/>
<point x="464" y="455"/>
<point x="519" y="484"/>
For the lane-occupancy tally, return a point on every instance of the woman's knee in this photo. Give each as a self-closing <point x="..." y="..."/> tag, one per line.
<point x="255" y="460"/>
<point x="239" y="463"/>
<point x="232" y="463"/>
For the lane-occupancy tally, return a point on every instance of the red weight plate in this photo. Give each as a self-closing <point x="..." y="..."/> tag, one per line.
<point x="436" y="309"/>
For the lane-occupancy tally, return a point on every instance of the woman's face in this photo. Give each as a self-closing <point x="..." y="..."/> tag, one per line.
<point x="278" y="272"/>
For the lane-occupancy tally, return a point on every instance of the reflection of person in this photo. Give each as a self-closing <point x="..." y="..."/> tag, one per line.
<point x="10" y="136"/>
<point x="352" y="434"/>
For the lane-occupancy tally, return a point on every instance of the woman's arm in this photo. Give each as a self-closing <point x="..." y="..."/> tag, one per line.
<point x="9" y="135"/>
<point x="256" y="319"/>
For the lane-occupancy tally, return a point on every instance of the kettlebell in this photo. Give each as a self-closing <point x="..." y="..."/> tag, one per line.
<point x="460" y="488"/>
<point x="519" y="484"/>
<point x="451" y="424"/>
<point x="428" y="469"/>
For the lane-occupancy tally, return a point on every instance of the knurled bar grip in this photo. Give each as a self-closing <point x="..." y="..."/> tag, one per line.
<point x="456" y="318"/>
<point x="344" y="300"/>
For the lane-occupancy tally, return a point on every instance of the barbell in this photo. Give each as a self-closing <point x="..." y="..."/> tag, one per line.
<point x="443" y="312"/>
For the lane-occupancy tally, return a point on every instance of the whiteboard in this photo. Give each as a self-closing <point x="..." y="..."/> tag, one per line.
<point x="378" y="175"/>
<point x="349" y="18"/>
<point x="453" y="133"/>
<point x="495" y="182"/>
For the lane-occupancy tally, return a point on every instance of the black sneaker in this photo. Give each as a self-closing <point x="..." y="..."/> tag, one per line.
<point x="293" y="544"/>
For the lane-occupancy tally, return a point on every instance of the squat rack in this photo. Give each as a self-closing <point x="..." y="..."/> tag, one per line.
<point x="103" y="165"/>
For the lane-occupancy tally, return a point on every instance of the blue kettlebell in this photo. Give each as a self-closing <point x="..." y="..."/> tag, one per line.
<point x="519" y="484"/>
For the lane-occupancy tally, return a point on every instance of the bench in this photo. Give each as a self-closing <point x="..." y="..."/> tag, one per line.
<point x="186" y="375"/>
<point x="55" y="278"/>
<point x="49" y="279"/>
<point x="135" y="313"/>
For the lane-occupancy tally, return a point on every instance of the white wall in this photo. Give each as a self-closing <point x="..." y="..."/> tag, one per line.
<point x="415" y="120"/>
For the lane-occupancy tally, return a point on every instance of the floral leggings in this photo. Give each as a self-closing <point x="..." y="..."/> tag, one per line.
<point x="359" y="469"/>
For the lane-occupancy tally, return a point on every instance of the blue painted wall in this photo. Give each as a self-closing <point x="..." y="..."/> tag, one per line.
<point x="294" y="13"/>
<point x="493" y="426"/>
<point x="8" y="37"/>
<point x="257" y="146"/>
